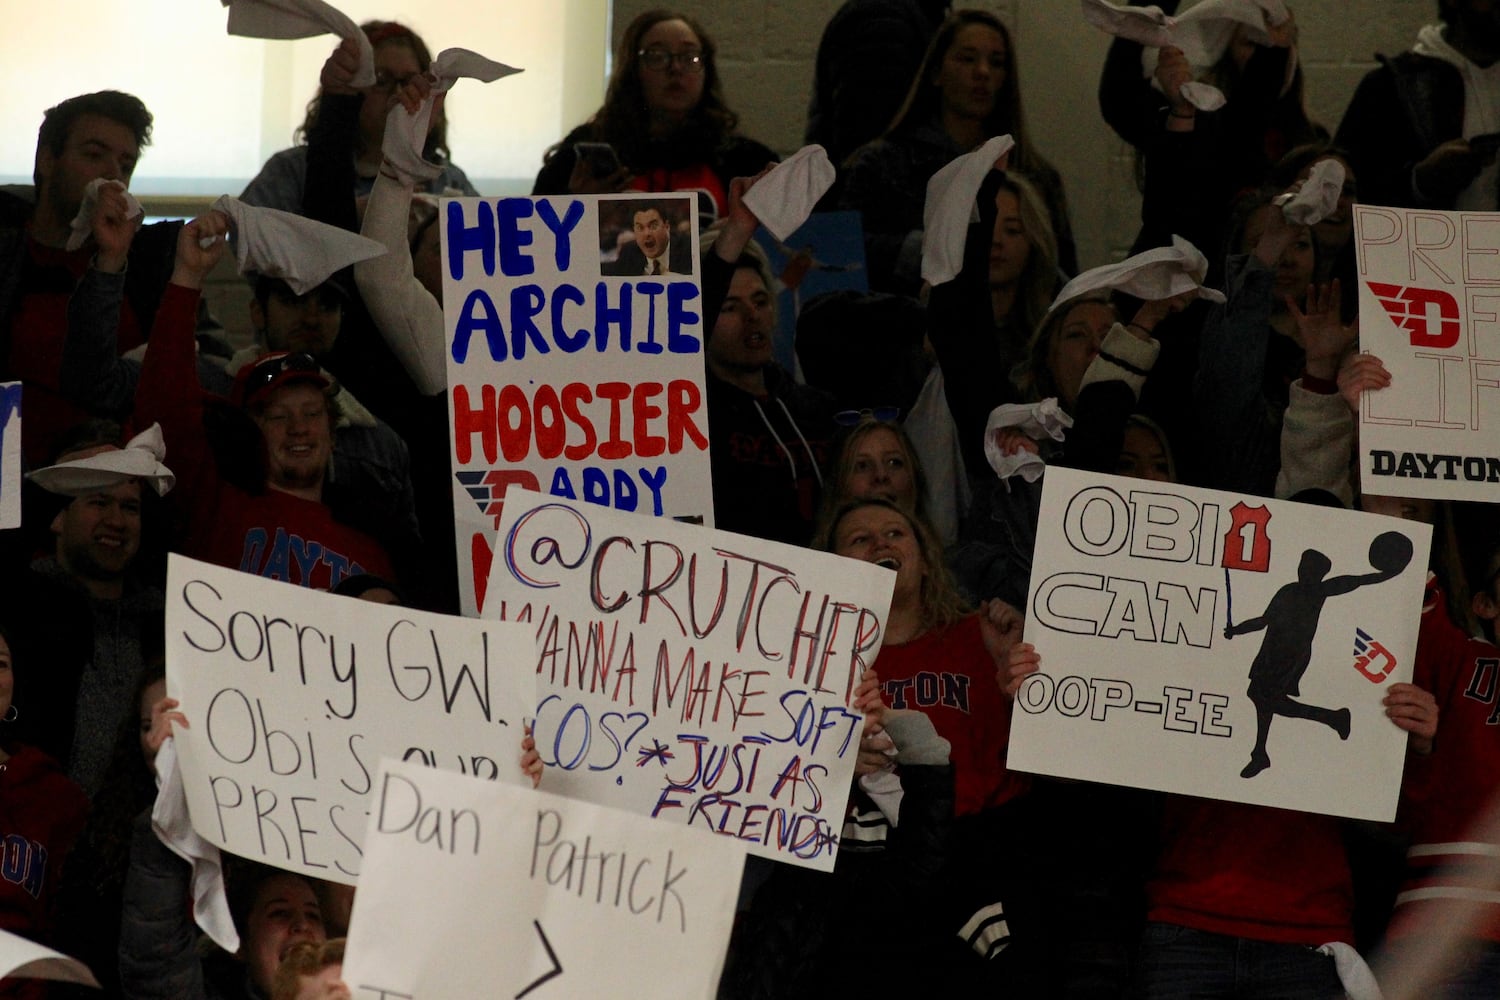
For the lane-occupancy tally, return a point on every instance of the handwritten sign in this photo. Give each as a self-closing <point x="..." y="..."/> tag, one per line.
<point x="1429" y="308"/>
<point x="10" y="455"/>
<point x="692" y="675"/>
<point x="293" y="696"/>
<point x="1221" y="646"/>
<point x="526" y="894"/>
<point x="571" y="370"/>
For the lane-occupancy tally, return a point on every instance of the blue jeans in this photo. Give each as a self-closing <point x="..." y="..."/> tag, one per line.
<point x="1179" y="963"/>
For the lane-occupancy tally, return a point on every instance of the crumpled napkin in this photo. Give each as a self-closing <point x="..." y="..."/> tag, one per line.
<point x="1037" y="421"/>
<point x="950" y="208"/>
<point x="783" y="199"/>
<point x="299" y="251"/>
<point x="1203" y="33"/>
<point x="1151" y="276"/>
<point x="1355" y="976"/>
<point x="83" y="222"/>
<point x="141" y="458"/>
<point x="406" y="134"/>
<point x="1318" y="196"/>
<point x="170" y="823"/>
<point x="288" y="19"/>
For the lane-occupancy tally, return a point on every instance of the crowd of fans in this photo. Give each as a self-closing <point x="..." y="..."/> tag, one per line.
<point x="319" y="456"/>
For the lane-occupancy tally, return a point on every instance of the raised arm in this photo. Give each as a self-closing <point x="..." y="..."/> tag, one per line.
<point x="403" y="310"/>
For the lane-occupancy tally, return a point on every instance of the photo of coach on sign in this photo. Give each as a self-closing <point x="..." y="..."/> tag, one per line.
<point x="1151" y="604"/>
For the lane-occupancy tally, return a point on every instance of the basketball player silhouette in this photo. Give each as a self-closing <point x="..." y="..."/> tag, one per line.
<point x="1290" y="622"/>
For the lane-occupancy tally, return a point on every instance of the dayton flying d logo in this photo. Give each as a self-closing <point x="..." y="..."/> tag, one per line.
<point x="1371" y="658"/>
<point x="1409" y="310"/>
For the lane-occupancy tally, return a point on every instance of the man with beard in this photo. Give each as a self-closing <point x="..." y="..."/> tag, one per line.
<point x="1423" y="127"/>
<point x="654" y="250"/>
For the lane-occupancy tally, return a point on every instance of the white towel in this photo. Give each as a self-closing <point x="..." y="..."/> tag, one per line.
<point x="288" y="19"/>
<point x="170" y="823"/>
<point x="1357" y="979"/>
<point x="1318" y="196"/>
<point x="1037" y="421"/>
<point x="1203" y="33"/>
<point x="141" y="458"/>
<point x="1152" y="275"/>
<point x="83" y="222"/>
<point x="299" y="251"/>
<point x="783" y="199"/>
<point x="950" y="208"/>
<point x="406" y="134"/>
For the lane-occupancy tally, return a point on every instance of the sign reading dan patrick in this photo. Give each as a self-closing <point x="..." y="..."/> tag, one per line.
<point x="1216" y="645"/>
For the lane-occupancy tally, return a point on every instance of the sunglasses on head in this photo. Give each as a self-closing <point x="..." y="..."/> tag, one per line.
<point x="268" y="371"/>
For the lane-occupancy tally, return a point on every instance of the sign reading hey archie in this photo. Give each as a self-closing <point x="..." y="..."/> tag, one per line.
<point x="10" y="454"/>
<point x="1429" y="308"/>
<point x="692" y="675"/>
<point x="292" y="697"/>
<point x="522" y="893"/>
<point x="575" y="360"/>
<point x="1216" y="645"/>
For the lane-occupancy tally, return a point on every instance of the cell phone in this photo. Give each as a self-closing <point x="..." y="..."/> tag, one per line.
<point x="601" y="157"/>
<point x="1485" y="145"/>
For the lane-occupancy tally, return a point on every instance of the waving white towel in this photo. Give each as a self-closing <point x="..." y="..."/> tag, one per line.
<point x="783" y="199"/>
<point x="406" y="134"/>
<point x="950" y="208"/>
<point x="287" y="19"/>
<point x="299" y="251"/>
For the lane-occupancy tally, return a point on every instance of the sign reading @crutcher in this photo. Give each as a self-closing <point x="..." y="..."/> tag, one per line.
<point x="1217" y="645"/>
<point x="693" y="675"/>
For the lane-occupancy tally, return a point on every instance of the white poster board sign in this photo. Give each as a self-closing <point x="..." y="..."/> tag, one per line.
<point x="526" y="894"/>
<point x="1134" y="586"/>
<point x="293" y="696"/>
<point x="1429" y="308"/>
<point x="10" y="455"/>
<point x="571" y="371"/>
<point x="693" y="675"/>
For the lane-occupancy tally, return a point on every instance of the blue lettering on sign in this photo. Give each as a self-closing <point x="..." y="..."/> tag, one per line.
<point x="10" y="403"/>
<point x="286" y="550"/>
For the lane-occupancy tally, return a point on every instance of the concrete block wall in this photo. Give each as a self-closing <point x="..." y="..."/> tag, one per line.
<point x="766" y="50"/>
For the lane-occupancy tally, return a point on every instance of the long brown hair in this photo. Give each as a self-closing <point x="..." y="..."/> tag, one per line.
<point x="624" y="121"/>
<point x="387" y="33"/>
<point x="922" y="100"/>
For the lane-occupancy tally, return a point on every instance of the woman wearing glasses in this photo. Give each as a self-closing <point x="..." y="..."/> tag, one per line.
<point x="664" y="125"/>
<point x="340" y="117"/>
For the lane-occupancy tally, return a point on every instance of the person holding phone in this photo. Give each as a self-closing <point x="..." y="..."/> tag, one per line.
<point x="664" y="125"/>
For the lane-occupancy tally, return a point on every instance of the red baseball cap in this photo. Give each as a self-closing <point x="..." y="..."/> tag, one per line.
<point x="256" y="380"/>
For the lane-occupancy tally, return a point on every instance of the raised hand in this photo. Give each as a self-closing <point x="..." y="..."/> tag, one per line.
<point x="1361" y="373"/>
<point x="1415" y="711"/>
<point x="163" y="714"/>
<point x="112" y="229"/>
<point x="1021" y="662"/>
<point x="1324" y="336"/>
<point x="200" y="245"/>
<point x="339" y="69"/>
